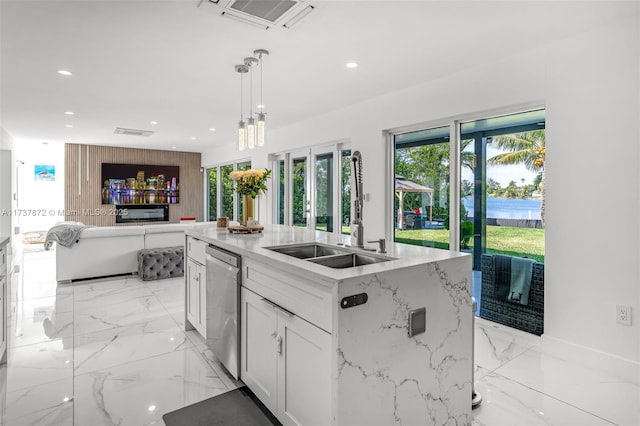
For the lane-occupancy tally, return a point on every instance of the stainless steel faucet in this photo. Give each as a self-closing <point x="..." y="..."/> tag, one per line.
<point x="357" y="228"/>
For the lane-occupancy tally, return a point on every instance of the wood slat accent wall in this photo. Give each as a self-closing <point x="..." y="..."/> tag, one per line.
<point x="83" y="181"/>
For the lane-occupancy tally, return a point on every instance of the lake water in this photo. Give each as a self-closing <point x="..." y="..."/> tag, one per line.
<point x="507" y="208"/>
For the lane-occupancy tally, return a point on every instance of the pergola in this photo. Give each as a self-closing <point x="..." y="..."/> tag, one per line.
<point x="402" y="187"/>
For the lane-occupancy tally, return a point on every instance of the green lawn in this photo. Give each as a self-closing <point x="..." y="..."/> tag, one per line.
<point x="500" y="239"/>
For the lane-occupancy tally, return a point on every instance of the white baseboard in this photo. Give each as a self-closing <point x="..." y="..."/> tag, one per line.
<point x="620" y="367"/>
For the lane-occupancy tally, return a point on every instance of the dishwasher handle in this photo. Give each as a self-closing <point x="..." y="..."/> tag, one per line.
<point x="223" y="255"/>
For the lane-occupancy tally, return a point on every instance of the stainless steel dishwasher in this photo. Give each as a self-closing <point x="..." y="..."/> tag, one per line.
<point x="223" y="307"/>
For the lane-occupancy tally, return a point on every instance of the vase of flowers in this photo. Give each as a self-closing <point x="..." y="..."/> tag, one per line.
<point x="250" y="184"/>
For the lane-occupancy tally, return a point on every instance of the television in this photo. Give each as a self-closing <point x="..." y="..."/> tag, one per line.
<point x="140" y="184"/>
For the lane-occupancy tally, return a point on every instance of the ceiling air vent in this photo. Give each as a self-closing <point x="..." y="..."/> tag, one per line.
<point x="132" y="132"/>
<point x="265" y="13"/>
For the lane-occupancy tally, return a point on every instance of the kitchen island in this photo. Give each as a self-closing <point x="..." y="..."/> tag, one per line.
<point x="383" y="343"/>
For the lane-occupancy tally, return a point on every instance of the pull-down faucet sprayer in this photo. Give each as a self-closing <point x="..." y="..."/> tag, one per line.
<point x="357" y="229"/>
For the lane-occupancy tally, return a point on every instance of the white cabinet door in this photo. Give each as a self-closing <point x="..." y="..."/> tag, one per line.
<point x="258" y="348"/>
<point x="304" y="372"/>
<point x="195" y="297"/>
<point x="286" y="362"/>
<point x="3" y="319"/>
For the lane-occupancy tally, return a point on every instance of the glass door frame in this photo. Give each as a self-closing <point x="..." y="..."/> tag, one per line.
<point x="454" y="177"/>
<point x="310" y="153"/>
<point x="455" y="171"/>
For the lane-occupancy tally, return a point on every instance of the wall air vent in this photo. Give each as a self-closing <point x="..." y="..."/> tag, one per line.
<point x="265" y="13"/>
<point x="132" y="132"/>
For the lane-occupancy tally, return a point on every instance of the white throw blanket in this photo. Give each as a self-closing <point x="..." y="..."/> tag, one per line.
<point x="64" y="234"/>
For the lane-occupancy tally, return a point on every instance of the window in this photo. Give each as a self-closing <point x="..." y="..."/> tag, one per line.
<point x="324" y="192"/>
<point x="345" y="192"/>
<point x="299" y="189"/>
<point x="212" y="185"/>
<point x="222" y="199"/>
<point x="311" y="190"/>
<point x="422" y="187"/>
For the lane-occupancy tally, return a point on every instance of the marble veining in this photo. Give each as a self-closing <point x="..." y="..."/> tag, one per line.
<point x="407" y="380"/>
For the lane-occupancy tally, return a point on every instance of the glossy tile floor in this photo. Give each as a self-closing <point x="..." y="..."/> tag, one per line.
<point x="114" y="352"/>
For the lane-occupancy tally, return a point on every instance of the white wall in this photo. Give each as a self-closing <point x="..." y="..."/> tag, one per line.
<point x="589" y="84"/>
<point x="6" y="145"/>
<point x="46" y="198"/>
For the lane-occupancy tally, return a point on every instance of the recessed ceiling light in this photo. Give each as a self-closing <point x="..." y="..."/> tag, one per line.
<point x="193" y="138"/>
<point x="154" y="122"/>
<point x="65" y="72"/>
<point x="174" y="147"/>
<point x="152" y="408"/>
<point x="212" y="129"/>
<point x="69" y="112"/>
<point x="68" y="125"/>
<point x="260" y="106"/>
<point x="352" y="65"/>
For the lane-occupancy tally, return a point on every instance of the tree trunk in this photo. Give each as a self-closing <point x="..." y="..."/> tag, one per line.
<point x="542" y="204"/>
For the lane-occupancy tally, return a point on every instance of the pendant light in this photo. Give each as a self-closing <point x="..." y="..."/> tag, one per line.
<point x="260" y="129"/>
<point x="251" y="126"/>
<point x="241" y="69"/>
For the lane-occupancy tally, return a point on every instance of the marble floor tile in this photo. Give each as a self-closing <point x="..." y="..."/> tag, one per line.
<point x="496" y="345"/>
<point x="170" y="293"/>
<point x="48" y="404"/>
<point x="106" y="346"/>
<point x="42" y="319"/>
<point x="132" y="306"/>
<point x="508" y="403"/>
<point x="109" y="292"/>
<point x="139" y="393"/>
<point x="613" y="398"/>
<point x="41" y="328"/>
<point x="40" y="363"/>
<point x="115" y="346"/>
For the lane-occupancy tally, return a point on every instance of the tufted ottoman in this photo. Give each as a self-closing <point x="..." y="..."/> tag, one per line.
<point x="159" y="263"/>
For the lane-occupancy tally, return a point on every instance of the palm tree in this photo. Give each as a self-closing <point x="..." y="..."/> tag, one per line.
<point x="526" y="148"/>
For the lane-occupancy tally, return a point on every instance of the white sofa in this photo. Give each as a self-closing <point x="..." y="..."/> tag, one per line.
<point x="112" y="250"/>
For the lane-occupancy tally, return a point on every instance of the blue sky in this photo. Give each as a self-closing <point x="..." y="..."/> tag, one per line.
<point x="503" y="174"/>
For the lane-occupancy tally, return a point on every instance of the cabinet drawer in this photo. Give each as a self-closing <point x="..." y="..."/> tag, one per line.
<point x="303" y="297"/>
<point x="196" y="250"/>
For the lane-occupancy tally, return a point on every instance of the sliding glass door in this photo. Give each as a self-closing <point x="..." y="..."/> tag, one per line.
<point x="421" y="202"/>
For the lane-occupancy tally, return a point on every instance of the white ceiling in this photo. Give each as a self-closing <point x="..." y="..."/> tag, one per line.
<point x="173" y="61"/>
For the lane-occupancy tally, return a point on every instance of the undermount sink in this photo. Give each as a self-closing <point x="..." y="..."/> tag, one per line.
<point x="332" y="257"/>
<point x="307" y="251"/>
<point x="348" y="260"/>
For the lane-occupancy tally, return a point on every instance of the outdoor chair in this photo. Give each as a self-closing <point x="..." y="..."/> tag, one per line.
<point x="529" y="318"/>
<point x="409" y="221"/>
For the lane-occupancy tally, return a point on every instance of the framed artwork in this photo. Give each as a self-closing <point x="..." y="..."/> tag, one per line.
<point x="45" y="172"/>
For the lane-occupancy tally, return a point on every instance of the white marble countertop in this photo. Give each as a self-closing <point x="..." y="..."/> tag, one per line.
<point x="254" y="246"/>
